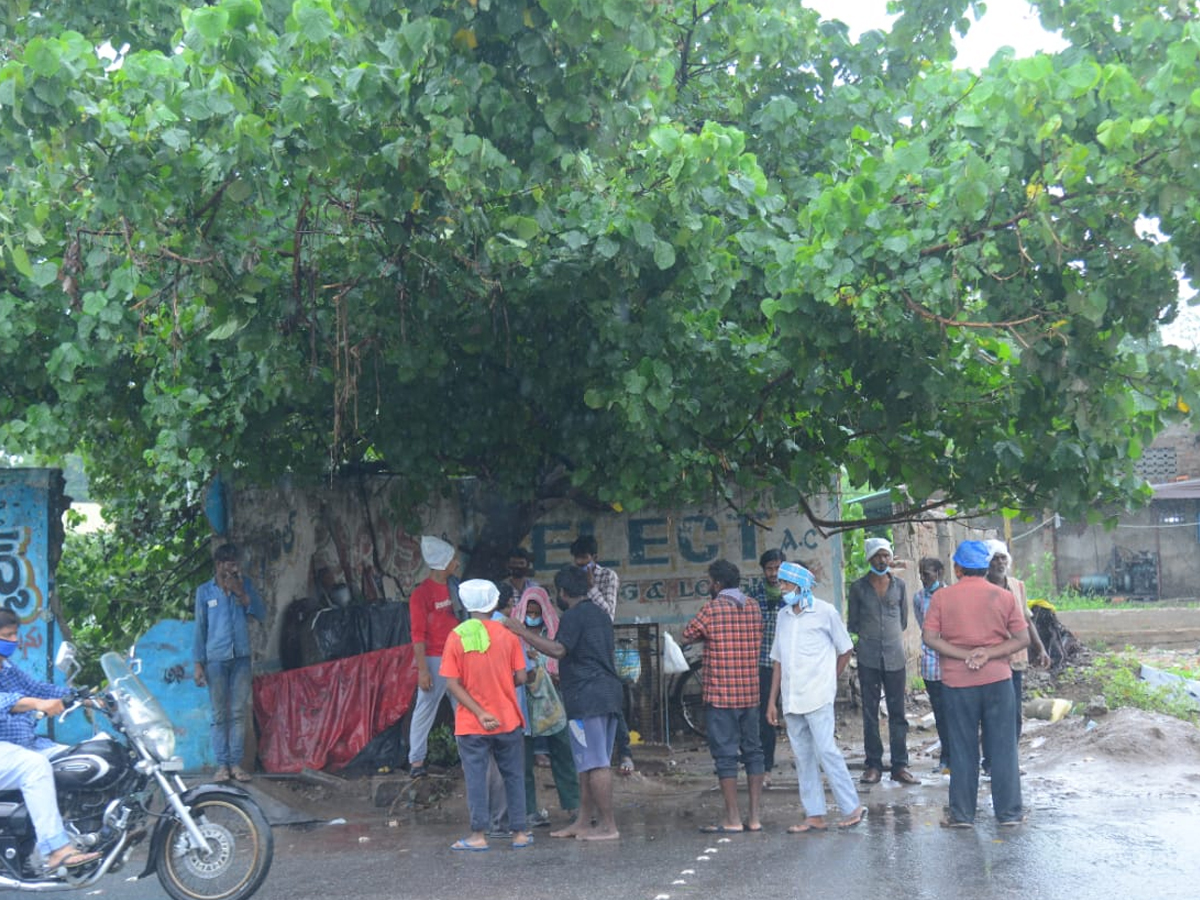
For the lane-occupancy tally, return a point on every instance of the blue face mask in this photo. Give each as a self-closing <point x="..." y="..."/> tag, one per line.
<point x="875" y="571"/>
<point x="801" y="598"/>
<point x="7" y="649"/>
<point x="933" y="587"/>
<point x="533" y="621"/>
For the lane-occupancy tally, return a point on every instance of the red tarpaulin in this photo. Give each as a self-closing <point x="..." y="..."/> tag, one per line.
<point x="322" y="716"/>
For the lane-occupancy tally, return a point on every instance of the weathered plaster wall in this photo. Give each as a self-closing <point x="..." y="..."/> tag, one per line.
<point x="288" y="533"/>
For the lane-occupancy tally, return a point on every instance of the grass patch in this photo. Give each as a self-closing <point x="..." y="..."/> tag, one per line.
<point x="1116" y="676"/>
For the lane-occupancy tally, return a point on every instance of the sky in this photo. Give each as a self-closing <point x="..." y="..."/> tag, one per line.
<point x="1011" y="23"/>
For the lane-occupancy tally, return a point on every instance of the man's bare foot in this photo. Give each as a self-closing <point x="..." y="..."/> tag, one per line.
<point x="69" y="857"/>
<point x="812" y="823"/>
<point x="592" y="835"/>
<point x="572" y="830"/>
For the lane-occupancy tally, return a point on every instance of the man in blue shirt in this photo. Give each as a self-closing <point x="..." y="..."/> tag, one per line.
<point x="24" y="765"/>
<point x="222" y="654"/>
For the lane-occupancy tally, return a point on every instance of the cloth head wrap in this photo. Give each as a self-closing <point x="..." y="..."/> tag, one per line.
<point x="874" y="545"/>
<point x="478" y="595"/>
<point x="436" y="552"/>
<point x="996" y="547"/>
<point x="972" y="555"/>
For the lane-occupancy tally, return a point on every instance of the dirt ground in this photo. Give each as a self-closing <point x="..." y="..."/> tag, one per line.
<point x="1138" y="750"/>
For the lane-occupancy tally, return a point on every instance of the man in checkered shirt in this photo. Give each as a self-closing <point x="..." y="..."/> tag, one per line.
<point x="730" y="625"/>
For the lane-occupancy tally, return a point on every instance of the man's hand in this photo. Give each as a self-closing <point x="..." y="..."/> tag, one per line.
<point x="772" y="717"/>
<point x="1039" y="658"/>
<point x="198" y="675"/>
<point x="978" y="659"/>
<point x="489" y="722"/>
<point x="49" y="707"/>
<point x="424" y="679"/>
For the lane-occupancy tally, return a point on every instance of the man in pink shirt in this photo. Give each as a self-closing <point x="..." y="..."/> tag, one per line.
<point x="976" y="626"/>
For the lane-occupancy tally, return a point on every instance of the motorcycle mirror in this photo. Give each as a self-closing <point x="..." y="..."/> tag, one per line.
<point x="64" y="659"/>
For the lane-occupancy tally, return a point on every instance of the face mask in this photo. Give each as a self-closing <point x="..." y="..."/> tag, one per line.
<point x="7" y="648"/>
<point x="933" y="587"/>
<point x="561" y="604"/>
<point x="875" y="571"/>
<point x="533" y="621"/>
<point x="517" y="573"/>
<point x="803" y="599"/>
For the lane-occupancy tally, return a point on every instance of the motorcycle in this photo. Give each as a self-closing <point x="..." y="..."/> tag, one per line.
<point x="208" y="842"/>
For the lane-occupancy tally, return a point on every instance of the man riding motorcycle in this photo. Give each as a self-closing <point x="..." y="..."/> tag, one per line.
<point x="24" y="755"/>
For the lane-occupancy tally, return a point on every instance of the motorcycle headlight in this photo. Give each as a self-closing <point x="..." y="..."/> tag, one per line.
<point x="159" y="740"/>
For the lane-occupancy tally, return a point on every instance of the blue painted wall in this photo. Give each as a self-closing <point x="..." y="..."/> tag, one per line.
<point x="28" y="500"/>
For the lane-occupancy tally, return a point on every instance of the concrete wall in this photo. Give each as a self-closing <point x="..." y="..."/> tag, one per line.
<point x="288" y="533"/>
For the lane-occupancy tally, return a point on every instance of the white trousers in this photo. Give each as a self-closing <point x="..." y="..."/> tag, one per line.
<point x="815" y="748"/>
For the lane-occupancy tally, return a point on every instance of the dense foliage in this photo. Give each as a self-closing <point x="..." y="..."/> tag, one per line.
<point x="639" y="251"/>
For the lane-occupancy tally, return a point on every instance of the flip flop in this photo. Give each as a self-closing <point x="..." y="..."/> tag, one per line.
<point x="72" y="860"/>
<point x="517" y="845"/>
<point x="854" y="820"/>
<point x="720" y="829"/>
<point x="461" y="844"/>
<point x="954" y="823"/>
<point x="805" y="828"/>
<point x="753" y="830"/>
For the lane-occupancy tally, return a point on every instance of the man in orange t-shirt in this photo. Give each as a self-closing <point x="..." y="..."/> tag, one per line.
<point x="483" y="665"/>
<point x="975" y="626"/>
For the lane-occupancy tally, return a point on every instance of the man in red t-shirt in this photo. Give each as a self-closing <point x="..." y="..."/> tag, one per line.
<point x="975" y="626"/>
<point x="432" y="618"/>
<point x="483" y="665"/>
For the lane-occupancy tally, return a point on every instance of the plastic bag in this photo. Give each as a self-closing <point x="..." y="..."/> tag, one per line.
<point x="673" y="660"/>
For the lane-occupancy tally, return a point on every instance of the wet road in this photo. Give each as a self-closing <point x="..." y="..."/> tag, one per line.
<point x="1134" y="840"/>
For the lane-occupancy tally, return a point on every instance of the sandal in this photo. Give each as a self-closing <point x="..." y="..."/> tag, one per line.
<point x="72" y="860"/>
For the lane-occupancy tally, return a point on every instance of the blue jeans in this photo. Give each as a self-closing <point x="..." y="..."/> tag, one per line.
<point x="766" y="731"/>
<point x="937" y="702"/>
<point x="967" y="710"/>
<point x="733" y="733"/>
<point x="229" y="692"/>
<point x="28" y="771"/>
<point x="508" y="750"/>
<point x="892" y="683"/>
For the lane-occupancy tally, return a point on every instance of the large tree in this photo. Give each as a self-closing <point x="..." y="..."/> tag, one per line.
<point x="638" y="252"/>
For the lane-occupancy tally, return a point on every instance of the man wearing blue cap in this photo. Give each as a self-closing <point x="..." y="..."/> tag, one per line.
<point x="976" y="626"/>
<point x="810" y="651"/>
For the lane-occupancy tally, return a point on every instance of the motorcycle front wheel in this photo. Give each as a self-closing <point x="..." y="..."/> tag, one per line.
<point x="241" y="850"/>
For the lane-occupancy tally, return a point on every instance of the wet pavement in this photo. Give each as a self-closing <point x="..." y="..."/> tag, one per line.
<point x="1092" y="833"/>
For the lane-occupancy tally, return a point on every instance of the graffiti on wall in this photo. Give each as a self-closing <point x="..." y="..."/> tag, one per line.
<point x="19" y="590"/>
<point x="367" y="557"/>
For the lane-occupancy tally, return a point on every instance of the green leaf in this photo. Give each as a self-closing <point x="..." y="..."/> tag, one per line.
<point x="21" y="260"/>
<point x="211" y="23"/>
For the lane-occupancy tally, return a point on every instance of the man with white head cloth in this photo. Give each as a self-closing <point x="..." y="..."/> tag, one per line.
<point x="877" y="611"/>
<point x="431" y="617"/>
<point x="483" y="665"/>
<point x="999" y="563"/>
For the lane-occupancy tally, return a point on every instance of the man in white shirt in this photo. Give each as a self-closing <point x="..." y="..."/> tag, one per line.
<point x="810" y="651"/>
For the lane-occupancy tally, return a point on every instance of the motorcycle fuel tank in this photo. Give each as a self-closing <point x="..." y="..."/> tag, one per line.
<point x="95" y="764"/>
